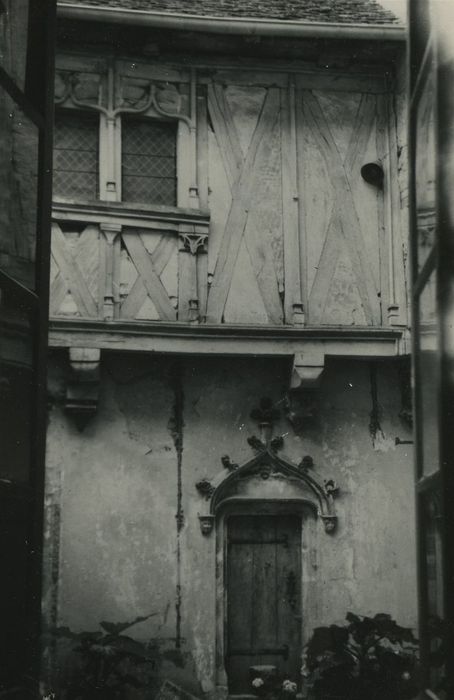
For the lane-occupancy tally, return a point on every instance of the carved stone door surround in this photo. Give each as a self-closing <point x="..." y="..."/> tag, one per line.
<point x="267" y="484"/>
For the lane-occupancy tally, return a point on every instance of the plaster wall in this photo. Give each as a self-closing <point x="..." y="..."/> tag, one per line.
<point x="123" y="538"/>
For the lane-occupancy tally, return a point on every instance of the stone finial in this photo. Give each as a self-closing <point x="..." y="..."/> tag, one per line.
<point x="205" y="488"/>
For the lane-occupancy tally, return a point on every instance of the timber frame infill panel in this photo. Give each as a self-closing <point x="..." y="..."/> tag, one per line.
<point x="308" y="241"/>
<point x="108" y="260"/>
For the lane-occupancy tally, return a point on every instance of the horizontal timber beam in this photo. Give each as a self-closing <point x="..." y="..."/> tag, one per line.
<point x="150" y="217"/>
<point x="231" y="25"/>
<point x="182" y="338"/>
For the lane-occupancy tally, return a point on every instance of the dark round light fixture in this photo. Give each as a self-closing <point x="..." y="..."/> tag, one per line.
<point x="373" y="174"/>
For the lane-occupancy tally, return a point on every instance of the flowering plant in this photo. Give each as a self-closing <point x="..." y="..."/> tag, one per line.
<point x="273" y="688"/>
<point x="289" y="687"/>
<point x="369" y="657"/>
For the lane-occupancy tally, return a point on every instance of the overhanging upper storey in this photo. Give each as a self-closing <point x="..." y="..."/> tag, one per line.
<point x="203" y="184"/>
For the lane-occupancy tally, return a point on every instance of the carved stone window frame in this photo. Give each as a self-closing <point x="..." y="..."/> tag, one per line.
<point x="110" y="118"/>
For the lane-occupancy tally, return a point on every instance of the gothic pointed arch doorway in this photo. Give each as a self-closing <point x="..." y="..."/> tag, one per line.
<point x="266" y="514"/>
<point x="263" y="615"/>
<point x="261" y="592"/>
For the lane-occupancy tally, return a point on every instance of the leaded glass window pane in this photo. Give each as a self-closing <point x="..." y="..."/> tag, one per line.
<point x="148" y="161"/>
<point x="76" y="151"/>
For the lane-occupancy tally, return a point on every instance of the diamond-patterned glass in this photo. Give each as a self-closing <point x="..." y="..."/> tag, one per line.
<point x="76" y="149"/>
<point x="148" y="161"/>
<point x="148" y="166"/>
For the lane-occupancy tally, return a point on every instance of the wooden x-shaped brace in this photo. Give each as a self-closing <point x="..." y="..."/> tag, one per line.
<point x="243" y="173"/>
<point x="343" y="217"/>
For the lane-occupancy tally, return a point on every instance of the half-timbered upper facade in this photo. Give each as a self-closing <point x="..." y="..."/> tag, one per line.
<point x="200" y="182"/>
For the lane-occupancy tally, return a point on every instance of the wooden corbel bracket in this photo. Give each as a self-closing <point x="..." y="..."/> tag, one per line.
<point x="82" y="391"/>
<point x="193" y="238"/>
<point x="307" y="369"/>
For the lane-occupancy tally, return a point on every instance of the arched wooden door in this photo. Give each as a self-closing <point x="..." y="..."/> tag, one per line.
<point x="263" y="597"/>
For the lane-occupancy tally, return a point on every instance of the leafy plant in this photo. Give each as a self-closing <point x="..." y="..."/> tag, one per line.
<point x="369" y="657"/>
<point x="110" y="662"/>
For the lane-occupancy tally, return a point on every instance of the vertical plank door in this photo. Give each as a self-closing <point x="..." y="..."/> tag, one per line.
<point x="263" y="597"/>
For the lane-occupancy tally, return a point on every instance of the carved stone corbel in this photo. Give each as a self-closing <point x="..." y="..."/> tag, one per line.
<point x="307" y="369"/>
<point x="302" y="397"/>
<point x="206" y="523"/>
<point x="82" y="391"/>
<point x="329" y="523"/>
<point x="193" y="238"/>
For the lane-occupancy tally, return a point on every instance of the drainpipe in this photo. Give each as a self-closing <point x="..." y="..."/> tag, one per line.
<point x="231" y="25"/>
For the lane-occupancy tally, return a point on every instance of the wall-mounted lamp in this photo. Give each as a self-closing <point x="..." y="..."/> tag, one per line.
<point x="373" y="174"/>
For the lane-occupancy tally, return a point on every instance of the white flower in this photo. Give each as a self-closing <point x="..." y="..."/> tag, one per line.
<point x="289" y="686"/>
<point x="258" y="682"/>
<point x="406" y="676"/>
